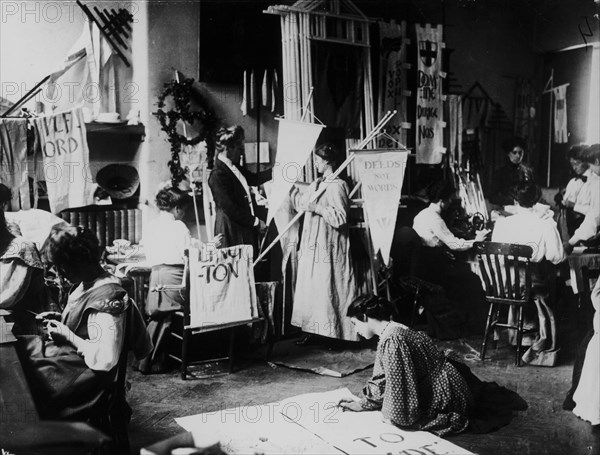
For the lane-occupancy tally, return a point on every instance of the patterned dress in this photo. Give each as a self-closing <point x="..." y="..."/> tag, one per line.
<point x="414" y="384"/>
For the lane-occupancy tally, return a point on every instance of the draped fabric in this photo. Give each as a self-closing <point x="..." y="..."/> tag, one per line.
<point x="338" y="81"/>
<point x="560" y="114"/>
<point x="13" y="161"/>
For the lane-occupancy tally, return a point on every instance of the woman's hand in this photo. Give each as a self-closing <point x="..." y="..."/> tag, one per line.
<point x="218" y="240"/>
<point x="351" y="404"/>
<point x="481" y="235"/>
<point x="59" y="332"/>
<point x="48" y="315"/>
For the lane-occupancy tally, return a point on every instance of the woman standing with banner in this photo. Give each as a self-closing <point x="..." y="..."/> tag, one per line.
<point x="325" y="285"/>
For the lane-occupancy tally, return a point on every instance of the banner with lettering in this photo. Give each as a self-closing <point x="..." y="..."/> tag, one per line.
<point x="66" y="165"/>
<point x="393" y="91"/>
<point x="430" y="102"/>
<point x="381" y="173"/>
<point x="222" y="286"/>
<point x="313" y="423"/>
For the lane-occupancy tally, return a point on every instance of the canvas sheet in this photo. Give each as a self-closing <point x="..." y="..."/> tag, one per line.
<point x="312" y="423"/>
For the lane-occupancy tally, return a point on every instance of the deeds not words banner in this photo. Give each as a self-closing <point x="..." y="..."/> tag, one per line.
<point x="381" y="173"/>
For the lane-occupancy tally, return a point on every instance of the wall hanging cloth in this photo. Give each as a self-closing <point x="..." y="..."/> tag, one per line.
<point x="560" y="114"/>
<point x="13" y="160"/>
<point x="267" y="92"/>
<point x="525" y="99"/>
<point x="430" y="101"/>
<point x="338" y="86"/>
<point x="455" y="123"/>
<point x="66" y="167"/>
<point x="393" y="91"/>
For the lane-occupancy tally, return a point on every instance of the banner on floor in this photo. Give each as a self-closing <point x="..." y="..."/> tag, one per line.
<point x="66" y="163"/>
<point x="295" y="142"/>
<point x="430" y="102"/>
<point x="222" y="286"/>
<point x="381" y="173"/>
<point x="393" y="91"/>
<point x="313" y="423"/>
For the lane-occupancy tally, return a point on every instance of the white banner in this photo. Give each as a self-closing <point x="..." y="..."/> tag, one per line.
<point x="66" y="161"/>
<point x="222" y="287"/>
<point x="381" y="173"/>
<point x="295" y="142"/>
<point x="430" y="105"/>
<point x="312" y="423"/>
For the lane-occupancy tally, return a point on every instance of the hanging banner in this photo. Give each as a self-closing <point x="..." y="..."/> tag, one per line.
<point x="13" y="160"/>
<point x="430" y="102"/>
<point x="381" y="173"/>
<point x="392" y="82"/>
<point x="456" y="129"/>
<point x="295" y="142"/>
<point x="66" y="164"/>
<point x="222" y="288"/>
<point x="560" y="114"/>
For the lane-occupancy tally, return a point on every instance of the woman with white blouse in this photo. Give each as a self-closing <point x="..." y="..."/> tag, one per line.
<point x="165" y="241"/>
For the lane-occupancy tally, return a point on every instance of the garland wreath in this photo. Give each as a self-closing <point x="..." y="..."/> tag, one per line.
<point x="182" y="94"/>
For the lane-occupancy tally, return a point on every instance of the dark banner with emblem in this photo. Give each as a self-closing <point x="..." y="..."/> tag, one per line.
<point x="430" y="103"/>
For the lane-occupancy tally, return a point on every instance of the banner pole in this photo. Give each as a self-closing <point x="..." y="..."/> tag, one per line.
<point x="386" y="118"/>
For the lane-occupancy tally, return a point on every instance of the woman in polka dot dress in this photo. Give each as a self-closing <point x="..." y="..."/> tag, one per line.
<point x="415" y="385"/>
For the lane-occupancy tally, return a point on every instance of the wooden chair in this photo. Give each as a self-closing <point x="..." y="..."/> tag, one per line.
<point x="182" y="331"/>
<point x="506" y="272"/>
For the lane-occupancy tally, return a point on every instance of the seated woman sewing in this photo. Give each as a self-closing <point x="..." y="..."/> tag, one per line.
<point x="21" y="281"/>
<point x="527" y="227"/>
<point x="70" y="372"/>
<point x="418" y="387"/>
<point x="440" y="265"/>
<point x="164" y="244"/>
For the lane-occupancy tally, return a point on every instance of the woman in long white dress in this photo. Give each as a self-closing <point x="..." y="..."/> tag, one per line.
<point x="587" y="394"/>
<point x="325" y="286"/>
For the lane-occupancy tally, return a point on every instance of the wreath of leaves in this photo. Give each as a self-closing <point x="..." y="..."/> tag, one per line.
<point x="182" y="94"/>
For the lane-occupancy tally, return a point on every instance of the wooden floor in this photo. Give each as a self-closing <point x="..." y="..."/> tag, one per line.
<point x="545" y="428"/>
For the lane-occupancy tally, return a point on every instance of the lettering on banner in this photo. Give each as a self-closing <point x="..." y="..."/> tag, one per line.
<point x="59" y="125"/>
<point x="395" y="438"/>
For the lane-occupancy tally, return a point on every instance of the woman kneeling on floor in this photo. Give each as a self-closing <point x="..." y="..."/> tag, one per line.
<point x="72" y="367"/>
<point x="418" y="387"/>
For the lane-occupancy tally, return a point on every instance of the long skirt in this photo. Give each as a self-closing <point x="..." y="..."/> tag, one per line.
<point x="160" y="307"/>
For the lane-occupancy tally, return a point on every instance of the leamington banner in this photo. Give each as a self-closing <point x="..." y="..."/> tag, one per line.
<point x="66" y="165"/>
<point x="393" y="91"/>
<point x="222" y="288"/>
<point x="430" y="103"/>
<point x="295" y="142"/>
<point x="381" y="173"/>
